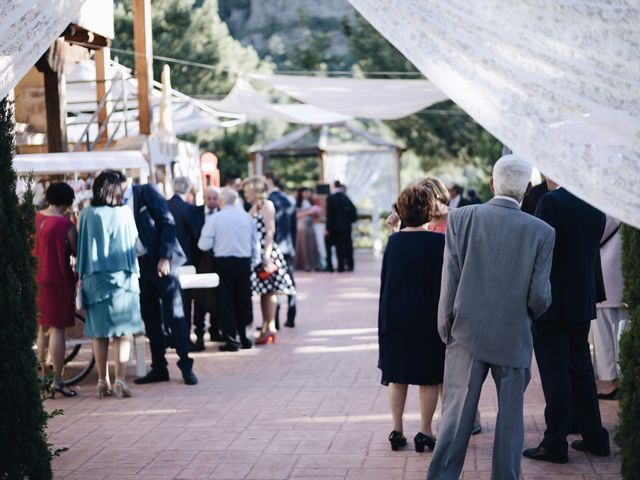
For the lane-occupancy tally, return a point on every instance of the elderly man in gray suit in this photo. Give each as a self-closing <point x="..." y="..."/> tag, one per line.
<point x="495" y="281"/>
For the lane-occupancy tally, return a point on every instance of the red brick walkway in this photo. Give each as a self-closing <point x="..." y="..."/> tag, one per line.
<point x="310" y="406"/>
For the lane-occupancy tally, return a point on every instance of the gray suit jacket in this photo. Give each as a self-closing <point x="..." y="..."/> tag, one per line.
<point x="495" y="281"/>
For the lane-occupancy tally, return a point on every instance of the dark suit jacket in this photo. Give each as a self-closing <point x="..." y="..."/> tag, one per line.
<point x="530" y="202"/>
<point x="285" y="222"/>
<point x="576" y="255"/>
<point x="156" y="229"/>
<point x="341" y="213"/>
<point x="189" y="222"/>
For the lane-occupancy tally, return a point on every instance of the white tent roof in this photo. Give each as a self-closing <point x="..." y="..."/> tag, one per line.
<point x="364" y="98"/>
<point x="95" y="161"/>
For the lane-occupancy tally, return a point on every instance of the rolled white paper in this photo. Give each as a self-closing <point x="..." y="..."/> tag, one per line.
<point x="199" y="280"/>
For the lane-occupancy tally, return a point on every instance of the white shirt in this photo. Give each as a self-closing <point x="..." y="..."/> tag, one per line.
<point x="504" y="197"/>
<point x="453" y="203"/>
<point x="231" y="232"/>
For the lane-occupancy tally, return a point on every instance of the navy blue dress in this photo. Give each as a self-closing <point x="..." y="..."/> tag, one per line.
<point x="411" y="351"/>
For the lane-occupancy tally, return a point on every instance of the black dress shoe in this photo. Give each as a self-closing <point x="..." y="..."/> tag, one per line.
<point x="397" y="440"/>
<point x="290" y="324"/>
<point x="198" y="346"/>
<point x="609" y="396"/>
<point x="189" y="378"/>
<point x="216" y="337"/>
<point x="421" y="440"/>
<point x="155" y="375"/>
<point x="246" y="344"/>
<point x="542" y="454"/>
<point x="583" y="446"/>
<point x="476" y="429"/>
<point x="229" y="347"/>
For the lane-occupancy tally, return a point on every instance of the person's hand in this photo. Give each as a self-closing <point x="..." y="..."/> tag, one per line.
<point x="163" y="267"/>
<point x="393" y="222"/>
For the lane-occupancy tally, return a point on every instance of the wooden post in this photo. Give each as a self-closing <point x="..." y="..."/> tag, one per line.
<point x="54" y="98"/>
<point x="102" y="60"/>
<point x="144" y="61"/>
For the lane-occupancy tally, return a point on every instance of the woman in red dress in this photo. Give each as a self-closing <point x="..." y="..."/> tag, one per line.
<point x="55" y="243"/>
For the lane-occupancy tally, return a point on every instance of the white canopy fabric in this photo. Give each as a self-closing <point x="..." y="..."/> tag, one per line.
<point x="244" y="99"/>
<point x="370" y="98"/>
<point x="69" y="162"/>
<point x="27" y="29"/>
<point x="558" y="81"/>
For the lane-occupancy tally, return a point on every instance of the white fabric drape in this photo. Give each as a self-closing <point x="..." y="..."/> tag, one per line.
<point x="244" y="99"/>
<point x="364" y="98"/>
<point x="558" y="81"/>
<point x="27" y="29"/>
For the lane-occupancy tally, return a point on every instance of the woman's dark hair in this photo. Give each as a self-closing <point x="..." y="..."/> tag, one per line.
<point x="415" y="205"/>
<point x="59" y="194"/>
<point x="300" y="197"/>
<point x="107" y="189"/>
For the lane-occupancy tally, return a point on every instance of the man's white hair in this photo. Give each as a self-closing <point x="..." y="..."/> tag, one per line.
<point x="181" y="185"/>
<point x="228" y="196"/>
<point x="511" y="175"/>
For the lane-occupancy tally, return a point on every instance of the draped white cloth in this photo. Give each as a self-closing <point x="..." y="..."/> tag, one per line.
<point x="244" y="99"/>
<point x="364" y="98"/>
<point x="27" y="29"/>
<point x="558" y="81"/>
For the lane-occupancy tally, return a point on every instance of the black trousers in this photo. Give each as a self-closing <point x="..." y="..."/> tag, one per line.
<point x="163" y="315"/>
<point x="328" y="246"/>
<point x="291" y="299"/>
<point x="348" y="263"/>
<point x="340" y="238"/>
<point x="236" y="310"/>
<point x="568" y="383"/>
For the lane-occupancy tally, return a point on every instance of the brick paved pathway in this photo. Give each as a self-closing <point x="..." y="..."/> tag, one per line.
<point x="310" y="406"/>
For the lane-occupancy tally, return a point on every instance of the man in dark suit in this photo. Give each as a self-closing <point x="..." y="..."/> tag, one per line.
<point x="530" y="202"/>
<point x="160" y="297"/>
<point x="456" y="200"/>
<point x="560" y="336"/>
<point x="341" y="213"/>
<point x="188" y="226"/>
<point x="285" y="238"/>
<point x="206" y="300"/>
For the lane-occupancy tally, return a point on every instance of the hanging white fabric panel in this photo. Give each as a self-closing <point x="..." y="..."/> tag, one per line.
<point x="27" y="29"/>
<point x="558" y="81"/>
<point x="244" y="99"/>
<point x="364" y="98"/>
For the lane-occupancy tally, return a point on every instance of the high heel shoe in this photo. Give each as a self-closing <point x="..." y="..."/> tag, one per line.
<point x="62" y="389"/>
<point x="421" y="440"/>
<point x="121" y="390"/>
<point x="397" y="440"/>
<point x="103" y="389"/>
<point x="266" y="338"/>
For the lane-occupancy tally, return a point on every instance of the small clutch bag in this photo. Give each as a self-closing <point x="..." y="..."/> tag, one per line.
<point x="265" y="272"/>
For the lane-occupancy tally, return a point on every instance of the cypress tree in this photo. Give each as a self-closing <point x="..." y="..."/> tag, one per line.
<point x="628" y="432"/>
<point x="24" y="452"/>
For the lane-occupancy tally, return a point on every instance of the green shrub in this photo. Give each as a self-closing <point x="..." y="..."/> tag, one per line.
<point x="628" y="433"/>
<point x="24" y="452"/>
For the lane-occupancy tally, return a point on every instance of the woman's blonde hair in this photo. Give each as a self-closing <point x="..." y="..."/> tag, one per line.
<point x="258" y="184"/>
<point x="437" y="187"/>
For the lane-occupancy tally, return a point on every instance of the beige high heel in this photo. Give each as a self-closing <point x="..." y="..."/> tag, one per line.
<point x="103" y="389"/>
<point x="121" y="390"/>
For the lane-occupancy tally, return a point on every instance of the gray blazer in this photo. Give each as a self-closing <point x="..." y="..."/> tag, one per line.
<point x="495" y="281"/>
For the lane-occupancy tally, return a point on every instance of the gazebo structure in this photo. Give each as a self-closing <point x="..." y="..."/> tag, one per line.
<point x="369" y="165"/>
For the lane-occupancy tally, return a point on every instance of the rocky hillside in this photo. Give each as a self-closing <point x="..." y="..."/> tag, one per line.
<point x="286" y="30"/>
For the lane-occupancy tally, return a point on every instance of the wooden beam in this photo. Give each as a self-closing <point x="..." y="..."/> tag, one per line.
<point x="102" y="60"/>
<point x="144" y="61"/>
<point x="54" y="98"/>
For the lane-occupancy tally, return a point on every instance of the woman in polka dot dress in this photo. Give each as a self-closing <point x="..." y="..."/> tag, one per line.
<point x="270" y="277"/>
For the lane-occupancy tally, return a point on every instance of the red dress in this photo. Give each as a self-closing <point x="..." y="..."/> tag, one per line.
<point x="55" y="278"/>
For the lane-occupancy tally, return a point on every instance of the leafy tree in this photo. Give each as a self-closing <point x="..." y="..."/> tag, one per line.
<point x="628" y="432"/>
<point x="24" y="452"/>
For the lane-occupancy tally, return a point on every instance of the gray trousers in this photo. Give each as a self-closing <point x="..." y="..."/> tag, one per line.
<point x="463" y="379"/>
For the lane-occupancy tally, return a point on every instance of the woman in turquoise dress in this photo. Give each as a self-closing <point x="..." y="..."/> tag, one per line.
<point x="109" y="274"/>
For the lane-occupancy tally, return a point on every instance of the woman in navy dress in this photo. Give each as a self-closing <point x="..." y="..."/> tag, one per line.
<point x="411" y="352"/>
